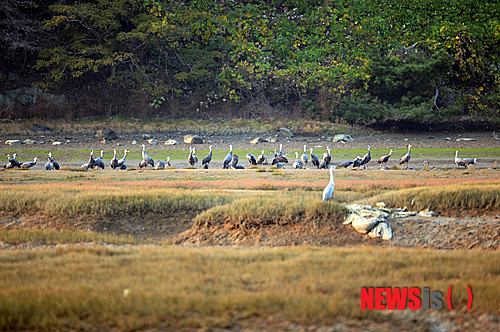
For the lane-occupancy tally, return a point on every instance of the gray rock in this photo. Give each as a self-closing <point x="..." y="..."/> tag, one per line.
<point x="106" y="134"/>
<point x="153" y="141"/>
<point x="13" y="142"/>
<point x="37" y="127"/>
<point x="287" y="132"/>
<point x="14" y="77"/>
<point x="342" y="138"/>
<point x="146" y="136"/>
<point x="259" y="140"/>
<point x="193" y="139"/>
<point x="29" y="97"/>
<point x="403" y="214"/>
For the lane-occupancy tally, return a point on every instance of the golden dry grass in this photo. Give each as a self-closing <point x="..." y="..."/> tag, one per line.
<point x="106" y="193"/>
<point x="280" y="209"/>
<point x="81" y="288"/>
<point x="234" y="126"/>
<point x="99" y="288"/>
<point x="480" y="198"/>
<point x="80" y="199"/>
<point x="47" y="237"/>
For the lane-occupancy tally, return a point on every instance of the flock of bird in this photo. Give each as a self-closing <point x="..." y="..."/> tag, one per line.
<point x="231" y="160"/>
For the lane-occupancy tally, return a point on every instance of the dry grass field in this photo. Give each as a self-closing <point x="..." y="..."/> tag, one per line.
<point x="253" y="250"/>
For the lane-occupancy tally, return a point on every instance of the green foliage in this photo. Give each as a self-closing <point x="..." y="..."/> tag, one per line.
<point x="384" y="58"/>
<point x="398" y="87"/>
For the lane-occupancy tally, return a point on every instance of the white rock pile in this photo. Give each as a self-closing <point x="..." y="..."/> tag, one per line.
<point x="370" y="220"/>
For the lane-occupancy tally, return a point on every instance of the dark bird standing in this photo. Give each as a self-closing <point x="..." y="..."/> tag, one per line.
<point x="385" y="159"/>
<point x="406" y="158"/>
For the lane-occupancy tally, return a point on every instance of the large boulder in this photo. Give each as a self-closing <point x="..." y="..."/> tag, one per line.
<point x="364" y="224"/>
<point x="193" y="139"/>
<point x="382" y="230"/>
<point x="259" y="140"/>
<point x="106" y="134"/>
<point x="13" y="142"/>
<point x="29" y="141"/>
<point x="342" y="138"/>
<point x="287" y="132"/>
<point x="171" y="142"/>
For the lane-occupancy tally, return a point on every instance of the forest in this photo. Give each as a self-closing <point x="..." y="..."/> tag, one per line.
<point x="362" y="61"/>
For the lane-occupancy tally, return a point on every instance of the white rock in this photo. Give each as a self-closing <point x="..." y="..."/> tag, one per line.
<point x="382" y="230"/>
<point x="287" y="132"/>
<point x="171" y="142"/>
<point x="13" y="142"/>
<point x="404" y="214"/>
<point x="56" y="143"/>
<point x="134" y="142"/>
<point x="342" y="138"/>
<point x="426" y="213"/>
<point x="364" y="225"/>
<point x="349" y="219"/>
<point x="258" y="140"/>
